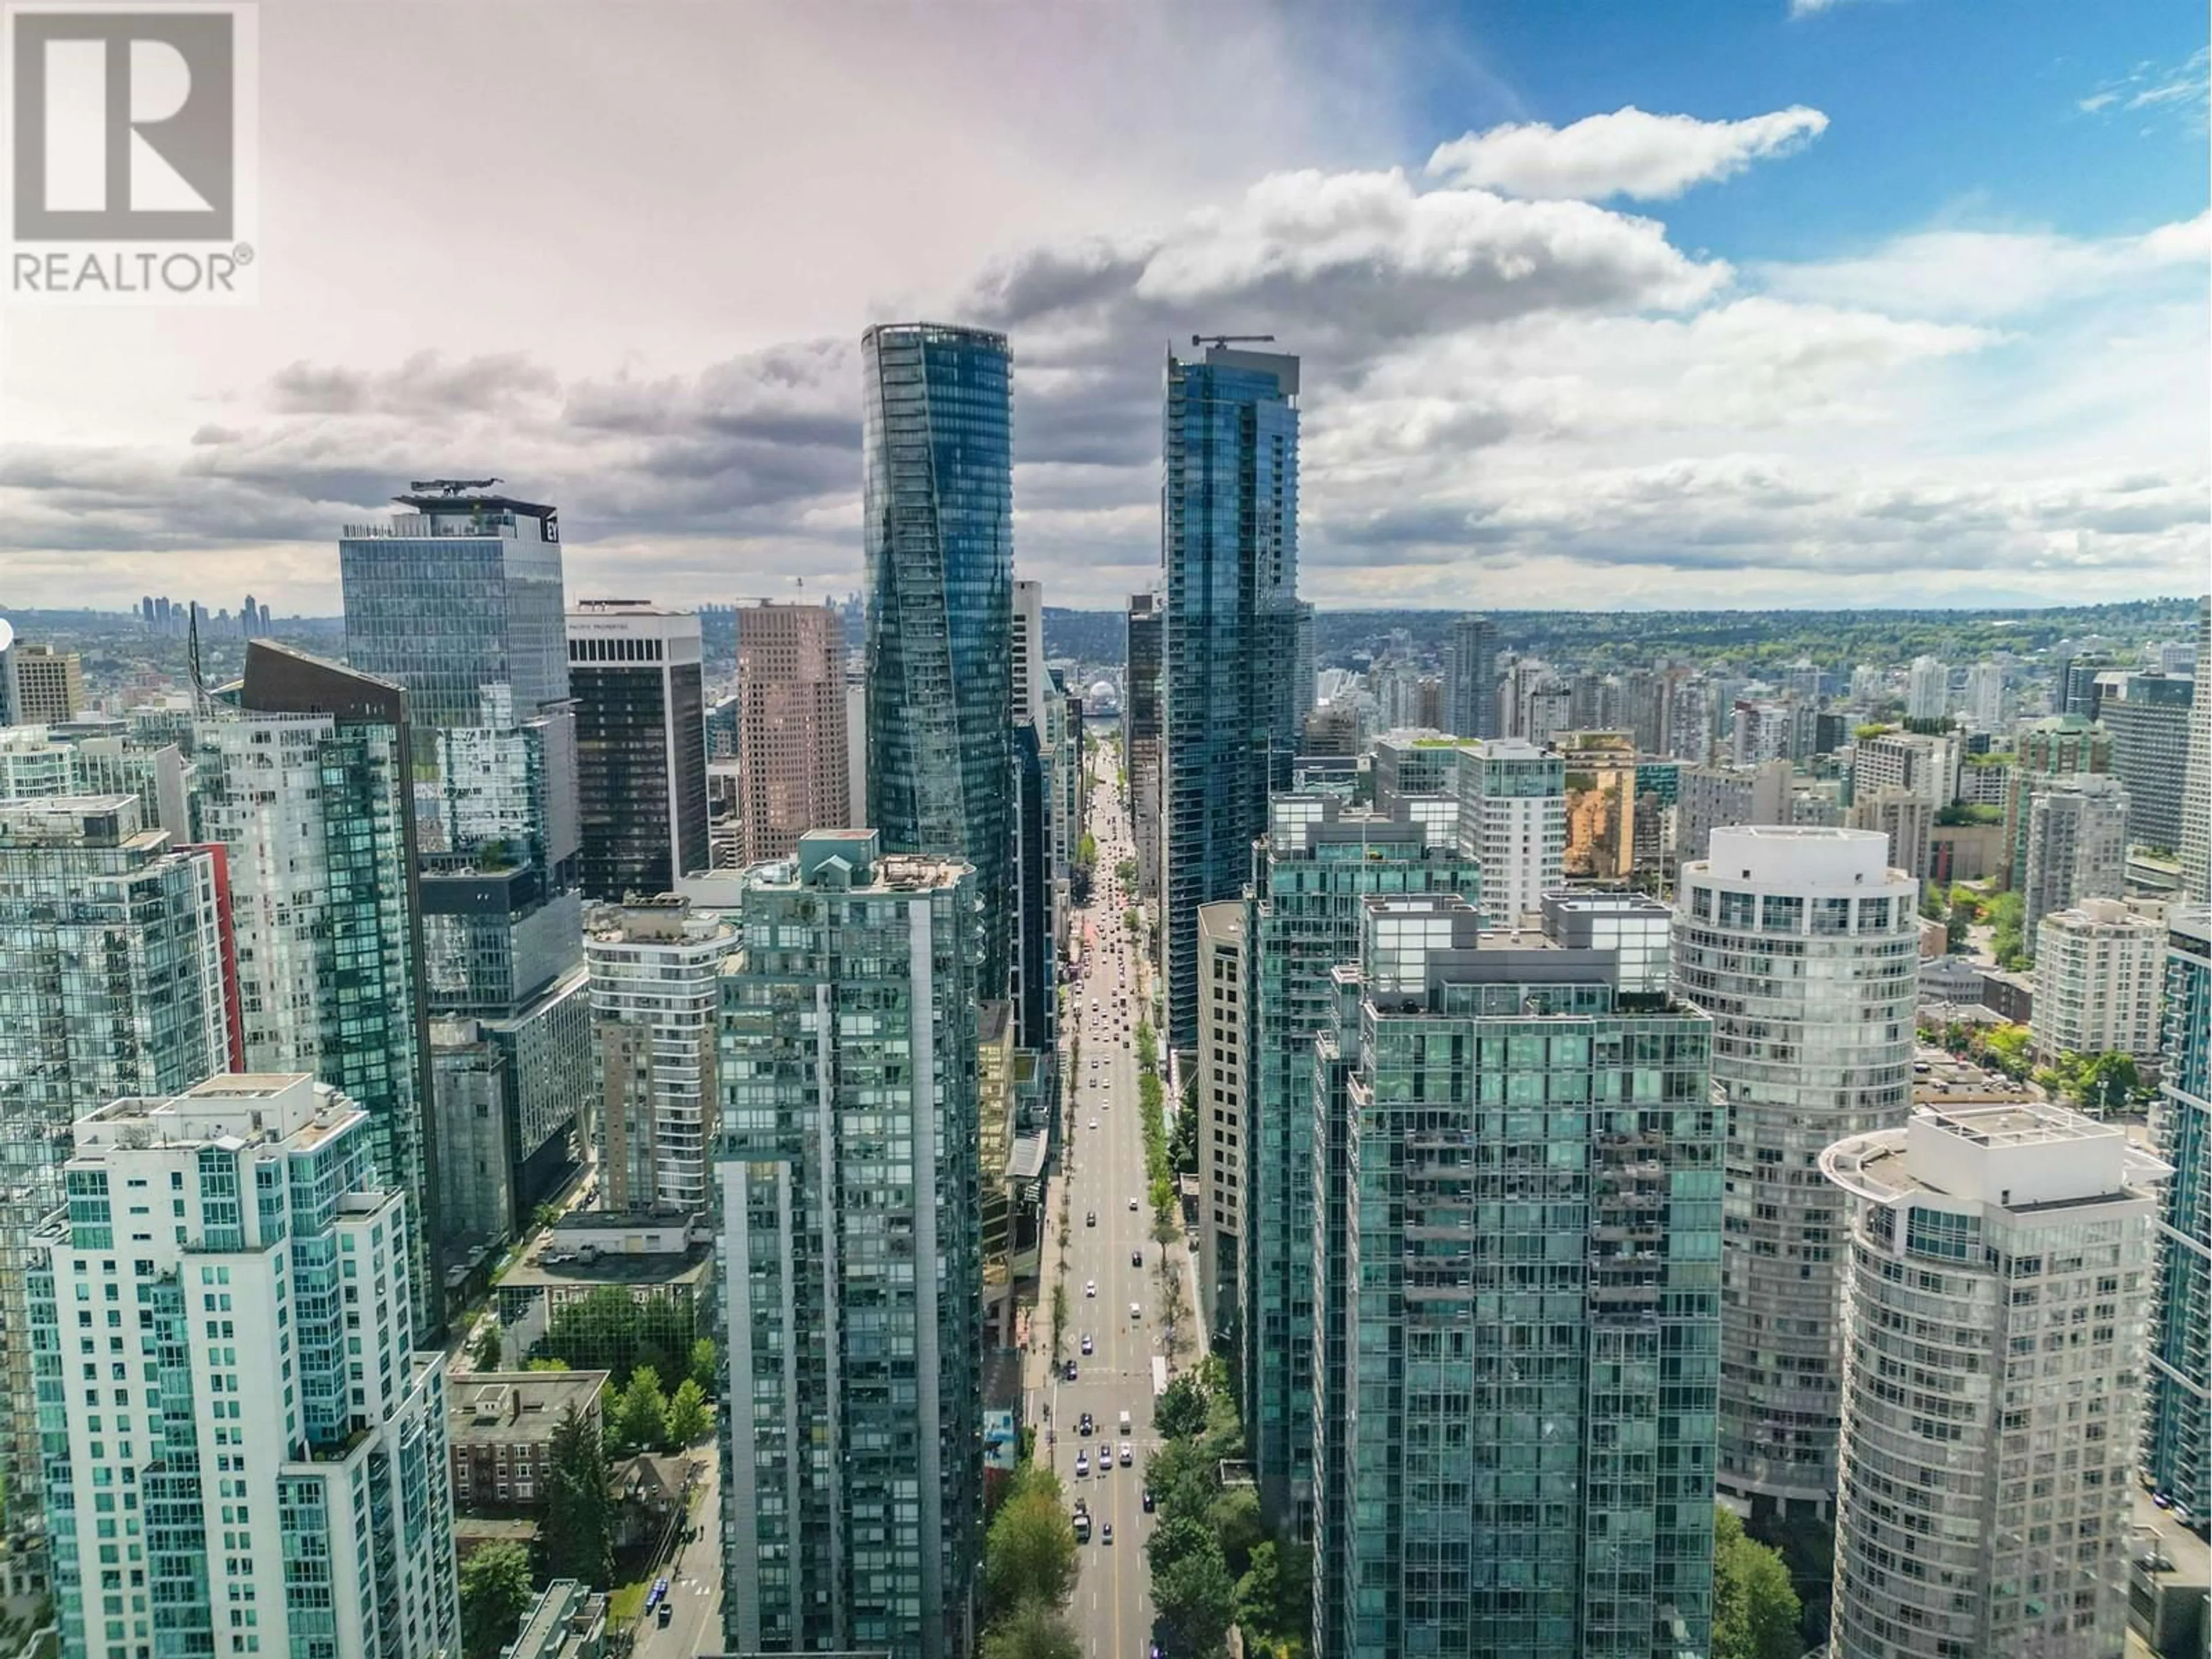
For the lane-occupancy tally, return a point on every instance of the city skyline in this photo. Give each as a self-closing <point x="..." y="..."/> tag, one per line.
<point x="1772" y="309"/>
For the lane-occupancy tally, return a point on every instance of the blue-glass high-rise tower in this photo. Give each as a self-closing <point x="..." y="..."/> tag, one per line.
<point x="938" y="496"/>
<point x="1229" y="541"/>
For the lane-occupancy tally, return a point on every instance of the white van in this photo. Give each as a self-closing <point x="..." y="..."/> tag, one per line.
<point x="1135" y="1312"/>
<point x="1125" y="1423"/>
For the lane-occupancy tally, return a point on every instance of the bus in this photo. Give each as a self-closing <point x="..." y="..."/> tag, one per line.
<point x="1159" y="1375"/>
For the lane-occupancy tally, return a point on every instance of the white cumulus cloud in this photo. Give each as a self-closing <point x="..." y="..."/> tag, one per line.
<point x="1630" y="152"/>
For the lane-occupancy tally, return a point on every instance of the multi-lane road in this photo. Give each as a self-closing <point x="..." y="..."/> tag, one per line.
<point x="1112" y="1262"/>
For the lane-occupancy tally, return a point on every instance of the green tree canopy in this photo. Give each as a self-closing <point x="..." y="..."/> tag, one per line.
<point x="688" y="1418"/>
<point x="494" y="1591"/>
<point x="1196" y="1599"/>
<point x="642" y="1414"/>
<point x="486" y="1351"/>
<point x="1755" y="1608"/>
<point x="1029" y="1555"/>
<point x="1176" y="1537"/>
<point x="707" y="1365"/>
<point x="1179" y="1412"/>
<point x="1032" y="1631"/>
<point x="578" y="1529"/>
<point x="1235" y="1519"/>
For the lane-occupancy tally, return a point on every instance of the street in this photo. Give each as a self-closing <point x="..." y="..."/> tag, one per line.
<point x="695" y="1578"/>
<point x="1110" y="1249"/>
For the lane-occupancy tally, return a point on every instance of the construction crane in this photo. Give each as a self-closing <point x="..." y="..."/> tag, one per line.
<point x="1229" y="339"/>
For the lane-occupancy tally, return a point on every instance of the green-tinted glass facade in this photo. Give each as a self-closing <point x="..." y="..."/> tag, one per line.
<point x="1302" y="919"/>
<point x="938" y="500"/>
<point x="1521" y="1223"/>
<point x="848" y="1240"/>
<point x="2178" y="1423"/>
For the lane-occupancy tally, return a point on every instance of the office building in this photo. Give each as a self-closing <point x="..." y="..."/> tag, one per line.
<point x="937" y="500"/>
<point x="1471" y="678"/>
<point x="1033" y="982"/>
<point x="460" y="592"/>
<point x="1927" y="690"/>
<point x="640" y="747"/>
<point x="1229" y="540"/>
<point x="1225" y="1016"/>
<point x="1801" y="1059"/>
<point x="1142" y="727"/>
<point x="1994" y="1323"/>
<point x="1513" y="821"/>
<point x="850" y="1265"/>
<point x="2098" y="969"/>
<point x="793" y="768"/>
<point x="306" y="787"/>
<point x="2075" y="688"/>
<point x="1300" y="919"/>
<point x="2177" y="1448"/>
<point x="114" y="974"/>
<point x="1518" y="1256"/>
<point x="459" y="600"/>
<point x="2076" y="847"/>
<point x="2196" y="774"/>
<point x="2149" y="717"/>
<point x="281" y="1464"/>
<point x="10" y="695"/>
<point x="48" y="684"/>
<point x="652" y="965"/>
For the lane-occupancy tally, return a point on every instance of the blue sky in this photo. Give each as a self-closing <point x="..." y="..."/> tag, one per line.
<point x="1882" y="301"/>
<point x="1940" y="110"/>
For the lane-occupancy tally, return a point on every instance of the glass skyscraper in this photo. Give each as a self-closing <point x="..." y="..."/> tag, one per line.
<point x="460" y="593"/>
<point x="1516" y="1250"/>
<point x="306" y="786"/>
<point x="1229" y="541"/>
<point x="938" y="495"/>
<point x="846" y="1180"/>
<point x="112" y="946"/>
<point x="1302" y="919"/>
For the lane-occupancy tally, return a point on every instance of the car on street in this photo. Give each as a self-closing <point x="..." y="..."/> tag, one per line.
<point x="668" y="1613"/>
<point x="1094" y="1123"/>
<point x="1082" y="1464"/>
<point x="1106" y="1532"/>
<point x="1128" y="1455"/>
<point x="1133" y="1206"/>
<point x="1148" y="1500"/>
<point x="1136" y="1258"/>
<point x="1086" y="1347"/>
<point x="1135" y="1311"/>
<point x="1084" y="1427"/>
<point x="1090" y="1218"/>
<point x="1068" y="1375"/>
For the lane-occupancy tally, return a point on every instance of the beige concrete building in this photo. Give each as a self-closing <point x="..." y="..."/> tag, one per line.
<point x="2098" y="968"/>
<point x="792" y="733"/>
<point x="49" y="684"/>
<point x="1222" y="1011"/>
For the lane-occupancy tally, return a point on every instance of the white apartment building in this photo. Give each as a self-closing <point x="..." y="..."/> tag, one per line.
<point x="1513" y="818"/>
<point x="2076" y="845"/>
<point x="652" y="965"/>
<point x="245" y="1454"/>
<point x="1927" y="690"/>
<point x="2098" y="971"/>
<point x="1914" y="762"/>
<point x="1995" y="1317"/>
<point x="1801" y="944"/>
